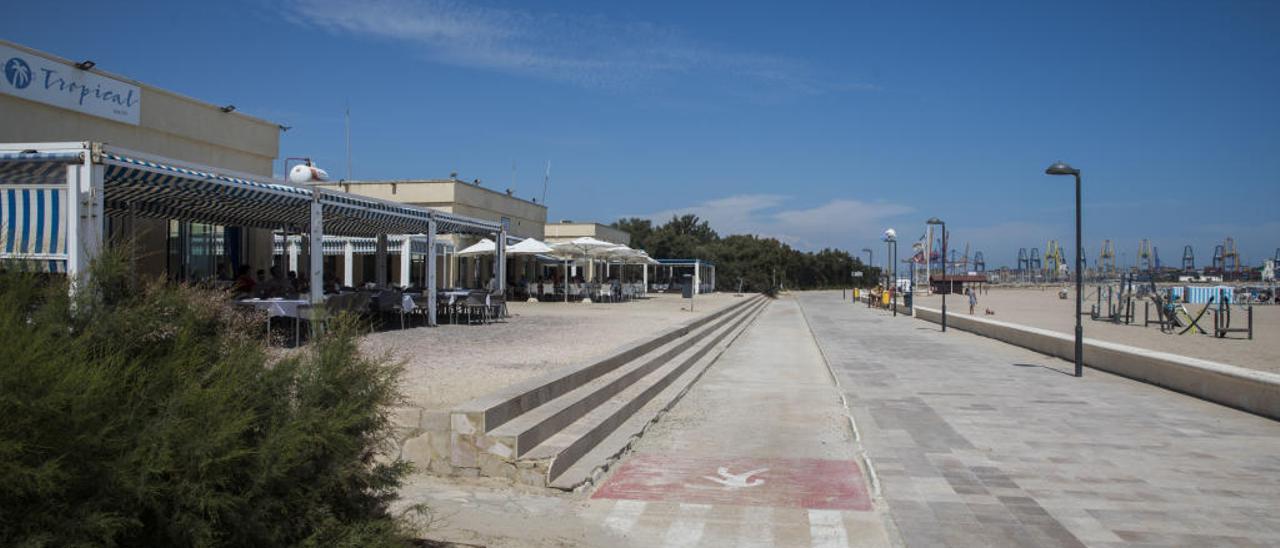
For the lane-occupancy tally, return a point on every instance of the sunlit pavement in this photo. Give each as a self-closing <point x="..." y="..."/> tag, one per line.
<point x="979" y="443"/>
<point x="759" y="453"/>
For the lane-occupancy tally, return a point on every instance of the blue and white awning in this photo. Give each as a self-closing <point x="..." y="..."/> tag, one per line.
<point x="160" y="190"/>
<point x="31" y="227"/>
<point x="337" y="245"/>
<point x="36" y="168"/>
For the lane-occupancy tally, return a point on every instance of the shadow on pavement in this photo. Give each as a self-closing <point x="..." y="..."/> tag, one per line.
<point x="1054" y="369"/>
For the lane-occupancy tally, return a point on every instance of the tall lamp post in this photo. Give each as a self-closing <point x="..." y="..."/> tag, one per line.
<point x="1060" y="168"/>
<point x="916" y="249"/>
<point x="937" y="221"/>
<point x="891" y="241"/>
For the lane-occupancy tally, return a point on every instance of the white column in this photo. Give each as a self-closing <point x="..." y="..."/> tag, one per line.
<point x="406" y="259"/>
<point x="316" y="266"/>
<point x="431" y="272"/>
<point x="348" y="264"/>
<point x="380" y="269"/>
<point x="292" y="249"/>
<point x="645" y="291"/>
<point x="697" y="277"/>
<point x="85" y="215"/>
<point x="500" y="258"/>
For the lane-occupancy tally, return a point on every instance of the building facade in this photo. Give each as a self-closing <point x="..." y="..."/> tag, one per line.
<point x="521" y="218"/>
<point x="45" y="98"/>
<point x="564" y="231"/>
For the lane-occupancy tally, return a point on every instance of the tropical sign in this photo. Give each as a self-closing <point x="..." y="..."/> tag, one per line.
<point x="36" y="78"/>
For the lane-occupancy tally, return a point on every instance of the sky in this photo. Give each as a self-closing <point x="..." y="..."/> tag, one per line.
<point x="820" y="124"/>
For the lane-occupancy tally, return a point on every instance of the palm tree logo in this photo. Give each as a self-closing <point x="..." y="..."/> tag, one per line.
<point x="17" y="72"/>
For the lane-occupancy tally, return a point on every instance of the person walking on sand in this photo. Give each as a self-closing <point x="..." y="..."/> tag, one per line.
<point x="973" y="299"/>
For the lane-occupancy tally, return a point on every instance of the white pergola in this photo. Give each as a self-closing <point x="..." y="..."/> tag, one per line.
<point x="704" y="272"/>
<point x="57" y="197"/>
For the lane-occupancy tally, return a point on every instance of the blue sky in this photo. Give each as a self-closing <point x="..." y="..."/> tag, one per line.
<point x="819" y="123"/>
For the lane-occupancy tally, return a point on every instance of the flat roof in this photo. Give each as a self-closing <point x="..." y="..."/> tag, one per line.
<point x="434" y="181"/>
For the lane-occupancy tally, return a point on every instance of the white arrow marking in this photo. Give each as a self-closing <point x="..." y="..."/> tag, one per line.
<point x="737" y="481"/>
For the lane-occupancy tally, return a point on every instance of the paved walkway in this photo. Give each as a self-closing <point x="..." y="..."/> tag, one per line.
<point x="979" y="443"/>
<point x="758" y="453"/>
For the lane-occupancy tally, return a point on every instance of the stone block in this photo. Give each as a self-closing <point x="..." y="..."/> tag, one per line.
<point x="420" y="451"/>
<point x="462" y="450"/>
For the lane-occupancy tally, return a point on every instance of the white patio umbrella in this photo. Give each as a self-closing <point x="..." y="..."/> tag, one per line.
<point x="530" y="246"/>
<point x="482" y="247"/>
<point x="585" y="246"/>
<point x="568" y="253"/>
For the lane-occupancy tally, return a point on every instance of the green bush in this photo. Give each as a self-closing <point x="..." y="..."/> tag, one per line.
<point x="146" y="414"/>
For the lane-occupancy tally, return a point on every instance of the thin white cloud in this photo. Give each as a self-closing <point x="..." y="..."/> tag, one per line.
<point x="841" y="223"/>
<point x="590" y="51"/>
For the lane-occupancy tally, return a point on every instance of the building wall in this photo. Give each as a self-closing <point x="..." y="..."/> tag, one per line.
<point x="558" y="232"/>
<point x="170" y="125"/>
<point x="527" y="219"/>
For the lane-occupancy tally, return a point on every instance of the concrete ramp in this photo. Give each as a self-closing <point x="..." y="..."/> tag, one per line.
<point x="560" y="430"/>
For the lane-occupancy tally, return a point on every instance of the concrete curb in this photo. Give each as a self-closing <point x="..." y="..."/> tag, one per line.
<point x="1256" y="392"/>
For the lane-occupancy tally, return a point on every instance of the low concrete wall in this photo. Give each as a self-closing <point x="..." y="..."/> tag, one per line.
<point x="1257" y="392"/>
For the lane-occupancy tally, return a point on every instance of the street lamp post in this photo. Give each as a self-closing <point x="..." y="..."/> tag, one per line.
<point x="891" y="241"/>
<point x="1060" y="168"/>
<point x="916" y="249"/>
<point x="871" y="262"/>
<point x="937" y="221"/>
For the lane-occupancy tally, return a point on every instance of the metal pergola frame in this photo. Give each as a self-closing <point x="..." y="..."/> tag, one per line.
<point x="697" y="265"/>
<point x="93" y="180"/>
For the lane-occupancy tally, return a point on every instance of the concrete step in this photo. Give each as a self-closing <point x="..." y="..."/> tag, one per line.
<point x="526" y="431"/>
<point x="568" y="446"/>
<point x="532" y="444"/>
<point x="488" y="412"/>
<point x="606" y="449"/>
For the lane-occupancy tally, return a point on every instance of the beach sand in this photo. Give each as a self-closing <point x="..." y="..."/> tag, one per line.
<point x="451" y="364"/>
<point x="1042" y="308"/>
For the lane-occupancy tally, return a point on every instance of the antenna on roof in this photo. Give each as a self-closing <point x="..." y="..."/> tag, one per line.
<point x="348" y="125"/>
<point x="546" y="180"/>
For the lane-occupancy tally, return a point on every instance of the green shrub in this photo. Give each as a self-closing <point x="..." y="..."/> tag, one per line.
<point x="147" y="414"/>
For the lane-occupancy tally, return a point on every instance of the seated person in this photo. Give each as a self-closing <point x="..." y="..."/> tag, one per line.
<point x="277" y="286"/>
<point x="244" y="282"/>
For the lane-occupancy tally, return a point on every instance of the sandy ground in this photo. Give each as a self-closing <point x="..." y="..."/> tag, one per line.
<point x="1043" y="308"/>
<point x="451" y="364"/>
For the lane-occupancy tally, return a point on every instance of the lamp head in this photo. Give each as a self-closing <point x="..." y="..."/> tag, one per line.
<point x="934" y="221"/>
<point x="890" y="235"/>
<point x="1060" y="168"/>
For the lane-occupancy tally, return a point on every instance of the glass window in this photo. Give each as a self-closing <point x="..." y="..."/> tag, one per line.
<point x="196" y="251"/>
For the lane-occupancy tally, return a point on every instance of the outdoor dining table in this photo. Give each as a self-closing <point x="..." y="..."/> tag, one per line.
<point x="453" y="294"/>
<point x="278" y="307"/>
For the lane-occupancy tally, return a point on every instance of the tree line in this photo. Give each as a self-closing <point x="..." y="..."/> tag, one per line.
<point x="758" y="263"/>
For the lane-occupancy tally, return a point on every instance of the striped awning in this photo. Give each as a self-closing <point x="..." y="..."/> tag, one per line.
<point x="36" y="168"/>
<point x="337" y="245"/>
<point x="174" y="192"/>
<point x="33" y="203"/>
<point x="31" y="227"/>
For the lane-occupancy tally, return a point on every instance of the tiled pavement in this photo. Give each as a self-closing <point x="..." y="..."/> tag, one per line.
<point x="979" y="443"/>
<point x="758" y="453"/>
